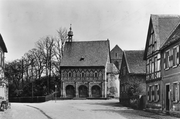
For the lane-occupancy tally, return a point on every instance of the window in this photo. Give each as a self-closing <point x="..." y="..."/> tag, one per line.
<point x="69" y="75"/>
<point x="175" y="92"/>
<point x="157" y="93"/>
<point x="153" y="93"/>
<point x="82" y="74"/>
<point x="166" y="59"/>
<point x="95" y="74"/>
<point x="150" y="93"/>
<point x="155" y="64"/>
<point x="171" y="58"/>
<point x="150" y="66"/>
<point x="116" y="54"/>
<point x="174" y="56"/>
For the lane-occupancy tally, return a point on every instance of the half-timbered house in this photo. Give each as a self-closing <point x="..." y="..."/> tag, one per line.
<point x="160" y="26"/>
<point x="171" y="72"/>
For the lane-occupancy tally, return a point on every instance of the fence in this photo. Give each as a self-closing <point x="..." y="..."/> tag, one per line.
<point x="33" y="99"/>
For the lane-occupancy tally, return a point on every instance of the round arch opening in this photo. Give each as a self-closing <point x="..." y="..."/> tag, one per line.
<point x="96" y="91"/>
<point x="70" y="91"/>
<point x="83" y="91"/>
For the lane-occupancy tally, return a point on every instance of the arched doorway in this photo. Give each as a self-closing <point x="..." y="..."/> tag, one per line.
<point x="83" y="91"/>
<point x="70" y="91"/>
<point x="96" y="91"/>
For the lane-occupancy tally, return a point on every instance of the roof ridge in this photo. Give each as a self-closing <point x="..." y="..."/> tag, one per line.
<point x="165" y="15"/>
<point x="132" y="50"/>
<point x="91" y="41"/>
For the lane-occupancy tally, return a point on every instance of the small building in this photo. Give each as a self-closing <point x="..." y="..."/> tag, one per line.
<point x="132" y="76"/>
<point x="84" y="68"/>
<point x="113" y="81"/>
<point x="170" y="52"/>
<point x="116" y="56"/>
<point x="3" y="81"/>
<point x="160" y="27"/>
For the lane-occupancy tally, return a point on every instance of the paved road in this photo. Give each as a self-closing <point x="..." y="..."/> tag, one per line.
<point x="76" y="109"/>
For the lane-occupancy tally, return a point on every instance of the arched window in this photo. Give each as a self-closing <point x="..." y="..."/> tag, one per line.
<point x="70" y="75"/>
<point x="95" y="74"/>
<point x="82" y="75"/>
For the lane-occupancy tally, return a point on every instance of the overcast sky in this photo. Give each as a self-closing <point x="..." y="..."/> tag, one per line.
<point x="123" y="22"/>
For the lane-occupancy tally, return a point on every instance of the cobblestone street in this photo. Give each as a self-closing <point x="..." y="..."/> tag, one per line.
<point x="76" y="109"/>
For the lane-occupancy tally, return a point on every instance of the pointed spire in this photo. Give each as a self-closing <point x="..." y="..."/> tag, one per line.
<point x="70" y="27"/>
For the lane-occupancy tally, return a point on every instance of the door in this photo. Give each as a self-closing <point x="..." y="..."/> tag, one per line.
<point x="167" y="97"/>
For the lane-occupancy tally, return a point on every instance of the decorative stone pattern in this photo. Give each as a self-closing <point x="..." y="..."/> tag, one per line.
<point x="83" y="77"/>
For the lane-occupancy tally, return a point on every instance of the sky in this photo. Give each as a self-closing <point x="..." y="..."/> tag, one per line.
<point x="123" y="22"/>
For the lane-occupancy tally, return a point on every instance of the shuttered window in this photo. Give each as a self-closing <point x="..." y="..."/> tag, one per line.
<point x="148" y="94"/>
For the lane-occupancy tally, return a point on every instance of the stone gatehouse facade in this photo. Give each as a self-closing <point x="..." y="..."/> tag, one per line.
<point x="84" y="68"/>
<point x="83" y="82"/>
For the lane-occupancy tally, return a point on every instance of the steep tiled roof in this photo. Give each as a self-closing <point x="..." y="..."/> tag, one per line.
<point x="2" y="44"/>
<point x="86" y="53"/>
<point x="174" y="36"/>
<point x="163" y="26"/>
<point x="135" y="62"/>
<point x="111" y="68"/>
<point x="166" y="24"/>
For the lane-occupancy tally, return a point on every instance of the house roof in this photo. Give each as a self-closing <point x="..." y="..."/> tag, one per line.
<point x="2" y="44"/>
<point x="135" y="62"/>
<point x="111" y="68"/>
<point x="162" y="25"/>
<point x="86" y="53"/>
<point x="173" y="37"/>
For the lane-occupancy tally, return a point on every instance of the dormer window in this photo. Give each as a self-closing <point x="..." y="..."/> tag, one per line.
<point x="81" y="59"/>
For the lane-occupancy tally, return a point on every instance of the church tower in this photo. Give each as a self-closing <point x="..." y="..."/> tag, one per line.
<point x="70" y="34"/>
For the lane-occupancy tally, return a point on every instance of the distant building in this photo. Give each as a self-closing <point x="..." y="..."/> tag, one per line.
<point x="132" y="75"/>
<point x="158" y="82"/>
<point x="84" y="68"/>
<point x="170" y="53"/>
<point x="116" y="56"/>
<point x="3" y="81"/>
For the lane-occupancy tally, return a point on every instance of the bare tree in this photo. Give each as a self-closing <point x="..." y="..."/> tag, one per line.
<point x="58" y="49"/>
<point x="38" y="62"/>
<point x="46" y="48"/>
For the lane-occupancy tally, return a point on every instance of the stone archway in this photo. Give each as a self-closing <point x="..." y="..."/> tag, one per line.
<point x="70" y="91"/>
<point x="83" y="91"/>
<point x="96" y="91"/>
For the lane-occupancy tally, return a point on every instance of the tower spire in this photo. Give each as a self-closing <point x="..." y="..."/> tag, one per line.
<point x="70" y="34"/>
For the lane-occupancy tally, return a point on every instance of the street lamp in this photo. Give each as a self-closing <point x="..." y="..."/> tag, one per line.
<point x="55" y="92"/>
